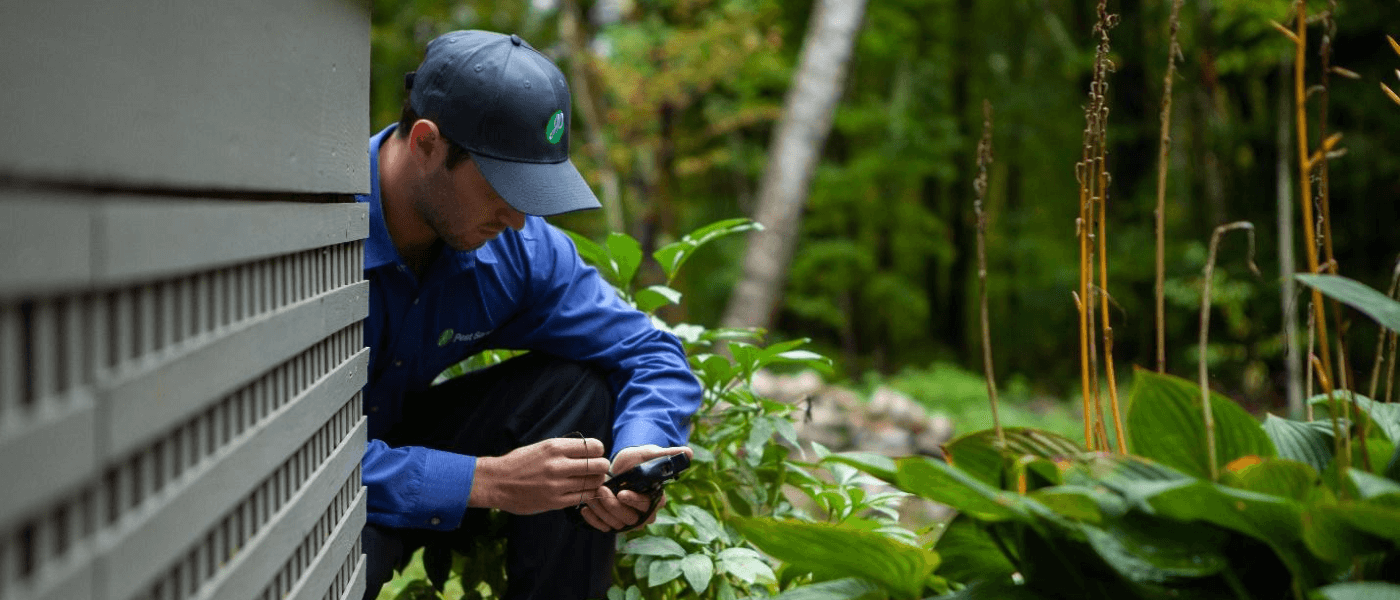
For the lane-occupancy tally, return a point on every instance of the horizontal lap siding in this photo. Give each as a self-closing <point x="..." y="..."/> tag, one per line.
<point x="181" y="297"/>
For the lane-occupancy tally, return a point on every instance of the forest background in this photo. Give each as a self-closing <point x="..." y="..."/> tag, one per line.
<point x="675" y="103"/>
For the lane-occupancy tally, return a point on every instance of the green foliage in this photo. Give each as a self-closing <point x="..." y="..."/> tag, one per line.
<point x="1165" y="424"/>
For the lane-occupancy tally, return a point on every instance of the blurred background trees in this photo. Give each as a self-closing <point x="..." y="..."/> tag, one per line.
<point x="675" y="107"/>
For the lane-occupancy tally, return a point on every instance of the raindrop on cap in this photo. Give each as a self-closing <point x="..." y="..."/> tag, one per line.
<point x="515" y="39"/>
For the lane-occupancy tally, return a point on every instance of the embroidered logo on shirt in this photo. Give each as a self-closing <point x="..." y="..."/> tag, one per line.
<point x="448" y="336"/>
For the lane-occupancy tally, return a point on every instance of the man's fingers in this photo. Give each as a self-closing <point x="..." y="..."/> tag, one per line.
<point x="580" y="448"/>
<point x="637" y="501"/>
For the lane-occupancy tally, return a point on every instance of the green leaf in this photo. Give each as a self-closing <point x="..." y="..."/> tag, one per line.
<point x="969" y="554"/>
<point x="937" y="481"/>
<point x="878" y="465"/>
<point x="707" y="529"/>
<point x="653" y="546"/>
<point x="1277" y="477"/>
<point x="995" y="590"/>
<point x="656" y="296"/>
<point x="673" y="255"/>
<point x="746" y="565"/>
<point x="663" y="570"/>
<point x="1165" y="424"/>
<point x="1359" y="296"/>
<point x="1073" y="502"/>
<point x="1273" y="520"/>
<point x="850" y="588"/>
<point x="626" y="253"/>
<point x="698" y="569"/>
<point x="1384" y="417"/>
<point x="983" y="456"/>
<point x="1358" y="590"/>
<point x="594" y="254"/>
<point x="840" y="552"/>
<point x="1150" y="550"/>
<point x="1309" y="443"/>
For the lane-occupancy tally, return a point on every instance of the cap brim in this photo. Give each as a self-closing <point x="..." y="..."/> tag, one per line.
<point x="540" y="189"/>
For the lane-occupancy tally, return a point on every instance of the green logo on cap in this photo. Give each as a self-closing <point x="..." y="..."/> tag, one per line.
<point x="445" y="337"/>
<point x="554" y="131"/>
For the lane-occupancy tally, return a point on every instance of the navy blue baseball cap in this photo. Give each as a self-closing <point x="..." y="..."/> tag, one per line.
<point x="507" y="105"/>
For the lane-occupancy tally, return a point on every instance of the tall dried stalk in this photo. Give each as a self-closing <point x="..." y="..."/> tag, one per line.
<point x="1204" y="372"/>
<point x="1382" y="337"/>
<point x="1093" y="177"/>
<point x="984" y="159"/>
<point x="1173" y="49"/>
<point x="1306" y="162"/>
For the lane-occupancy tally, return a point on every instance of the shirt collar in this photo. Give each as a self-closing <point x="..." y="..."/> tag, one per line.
<point x="379" y="248"/>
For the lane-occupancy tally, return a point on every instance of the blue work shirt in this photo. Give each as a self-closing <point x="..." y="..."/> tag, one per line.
<point x="525" y="289"/>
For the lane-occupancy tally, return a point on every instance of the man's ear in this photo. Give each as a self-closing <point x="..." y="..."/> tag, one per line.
<point x="426" y="144"/>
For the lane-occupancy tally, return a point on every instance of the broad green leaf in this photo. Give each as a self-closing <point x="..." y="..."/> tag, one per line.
<point x="656" y="296"/>
<point x="1165" y="424"/>
<point x="982" y="455"/>
<point x="698" y="570"/>
<point x="745" y="564"/>
<point x="1274" y="520"/>
<point x="879" y="465"/>
<point x="995" y="590"/>
<point x="673" y="255"/>
<point x="1276" y="476"/>
<point x="1357" y="295"/>
<point x="626" y="253"/>
<point x="969" y="554"/>
<point x="1309" y="443"/>
<point x="1151" y="550"/>
<point x="594" y="254"/>
<point x="1370" y="486"/>
<point x="940" y="482"/>
<point x="849" y="588"/>
<point x="1339" y="532"/>
<point x="841" y="552"/>
<point x="663" y="570"/>
<point x="653" y="546"/>
<point x="1358" y="590"/>
<point x="1384" y="417"/>
<point x="1073" y="502"/>
<point x="707" y="529"/>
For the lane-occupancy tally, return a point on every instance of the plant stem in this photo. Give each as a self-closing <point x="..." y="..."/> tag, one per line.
<point x="1166" y="141"/>
<point x="1381" y="338"/>
<point x="1305" y="175"/>
<point x="1341" y="449"/>
<point x="1203" y="370"/>
<point x="984" y="158"/>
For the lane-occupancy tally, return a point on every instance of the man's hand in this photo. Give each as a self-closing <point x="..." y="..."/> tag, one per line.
<point x="547" y="475"/>
<point x="609" y="512"/>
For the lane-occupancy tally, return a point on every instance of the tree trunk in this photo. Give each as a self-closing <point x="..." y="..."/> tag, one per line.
<point x="792" y="160"/>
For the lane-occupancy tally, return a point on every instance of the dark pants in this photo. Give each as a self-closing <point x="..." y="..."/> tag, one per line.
<point x="489" y="413"/>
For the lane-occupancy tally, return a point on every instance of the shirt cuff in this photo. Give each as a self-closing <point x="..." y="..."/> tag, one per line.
<point x="446" y="486"/>
<point x="640" y="433"/>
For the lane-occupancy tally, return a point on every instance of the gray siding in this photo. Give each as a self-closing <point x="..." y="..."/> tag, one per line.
<point x="181" y="298"/>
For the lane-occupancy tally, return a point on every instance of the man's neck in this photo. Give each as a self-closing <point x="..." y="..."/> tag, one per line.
<point x="415" y="241"/>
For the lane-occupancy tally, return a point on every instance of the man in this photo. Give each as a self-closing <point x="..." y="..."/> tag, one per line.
<point x="458" y="261"/>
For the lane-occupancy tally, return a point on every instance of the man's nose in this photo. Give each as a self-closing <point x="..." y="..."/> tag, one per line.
<point x="513" y="218"/>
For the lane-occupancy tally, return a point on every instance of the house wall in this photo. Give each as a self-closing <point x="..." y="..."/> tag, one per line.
<point x="181" y="294"/>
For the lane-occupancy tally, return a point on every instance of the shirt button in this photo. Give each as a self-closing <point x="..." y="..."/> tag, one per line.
<point x="398" y="363"/>
<point x="374" y="409"/>
<point x="402" y="268"/>
<point x="434" y="521"/>
<point x="415" y="301"/>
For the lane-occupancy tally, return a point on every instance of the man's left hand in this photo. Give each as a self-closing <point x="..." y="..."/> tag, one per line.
<point x="615" y="512"/>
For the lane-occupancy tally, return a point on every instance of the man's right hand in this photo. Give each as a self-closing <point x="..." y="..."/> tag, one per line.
<point x="548" y="475"/>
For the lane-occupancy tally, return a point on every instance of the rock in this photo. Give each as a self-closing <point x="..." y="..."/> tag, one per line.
<point x="937" y="430"/>
<point x="883" y="437"/>
<point x="898" y="408"/>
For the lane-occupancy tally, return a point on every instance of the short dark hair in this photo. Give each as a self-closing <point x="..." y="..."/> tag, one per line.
<point x="455" y="154"/>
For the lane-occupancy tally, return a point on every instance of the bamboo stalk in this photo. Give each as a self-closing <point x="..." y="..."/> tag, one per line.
<point x="984" y="158"/>
<point x="1300" y="95"/>
<point x="1164" y="145"/>
<point x="1312" y="344"/>
<point x="1203" y="371"/>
